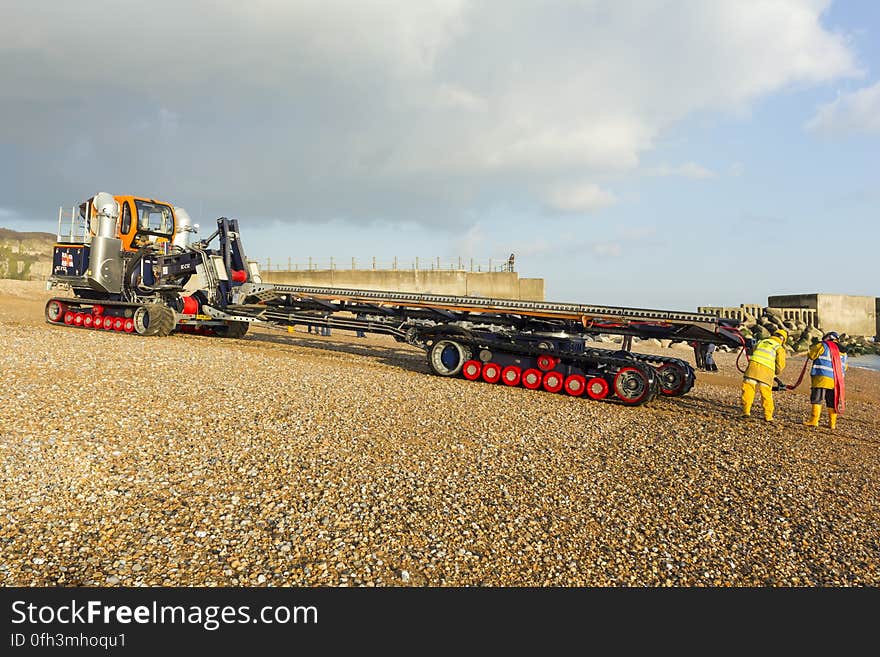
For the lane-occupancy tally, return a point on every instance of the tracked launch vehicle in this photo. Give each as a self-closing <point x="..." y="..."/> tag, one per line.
<point x="134" y="265"/>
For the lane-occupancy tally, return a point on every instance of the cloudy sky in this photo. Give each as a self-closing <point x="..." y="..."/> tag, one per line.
<point x="648" y="153"/>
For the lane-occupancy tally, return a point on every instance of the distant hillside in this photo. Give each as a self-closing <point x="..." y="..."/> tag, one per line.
<point x="25" y="256"/>
<point x="7" y="234"/>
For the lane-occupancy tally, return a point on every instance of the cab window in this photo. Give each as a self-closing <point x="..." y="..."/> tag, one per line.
<point x="126" y="219"/>
<point x="154" y="218"/>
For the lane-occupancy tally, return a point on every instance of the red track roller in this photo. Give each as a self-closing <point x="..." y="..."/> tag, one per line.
<point x="88" y="320"/>
<point x="108" y="323"/>
<point x="98" y="322"/>
<point x="531" y="379"/>
<point x="118" y="324"/>
<point x="471" y="370"/>
<point x="128" y="326"/>
<point x="575" y="385"/>
<point x="97" y="309"/>
<point x="491" y="372"/>
<point x="546" y="363"/>
<point x="597" y="388"/>
<point x="511" y="375"/>
<point x="78" y="319"/>
<point x="552" y="382"/>
<point x="68" y="317"/>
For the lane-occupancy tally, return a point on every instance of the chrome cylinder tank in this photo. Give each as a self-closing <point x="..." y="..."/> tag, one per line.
<point x="107" y="226"/>
<point x="105" y="264"/>
<point x="105" y="256"/>
<point x="184" y="228"/>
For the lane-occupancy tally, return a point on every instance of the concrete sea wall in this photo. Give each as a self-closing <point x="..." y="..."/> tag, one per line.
<point x="501" y="285"/>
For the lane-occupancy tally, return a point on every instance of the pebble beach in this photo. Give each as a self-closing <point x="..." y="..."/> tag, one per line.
<point x="300" y="460"/>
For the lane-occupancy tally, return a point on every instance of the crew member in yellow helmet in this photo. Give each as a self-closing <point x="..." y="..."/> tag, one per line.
<point x="766" y="363"/>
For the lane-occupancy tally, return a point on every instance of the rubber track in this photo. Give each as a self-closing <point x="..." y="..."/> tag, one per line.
<point x="584" y="361"/>
<point x="690" y="376"/>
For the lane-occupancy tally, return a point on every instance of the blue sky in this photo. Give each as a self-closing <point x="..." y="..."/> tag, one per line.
<point x="655" y="154"/>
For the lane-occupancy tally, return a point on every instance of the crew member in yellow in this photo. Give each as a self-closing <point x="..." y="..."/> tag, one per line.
<point x="767" y="362"/>
<point x="826" y="379"/>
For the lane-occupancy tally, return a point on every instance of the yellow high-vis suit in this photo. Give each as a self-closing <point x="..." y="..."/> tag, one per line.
<point x="767" y="361"/>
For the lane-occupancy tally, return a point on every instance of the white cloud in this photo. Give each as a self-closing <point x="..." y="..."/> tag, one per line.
<point x="536" y="247"/>
<point x="579" y="198"/>
<point x="472" y="242"/>
<point x="852" y="113"/>
<point x="382" y="108"/>
<point x="448" y="95"/>
<point x="687" y="170"/>
<point x="638" y="234"/>
<point x="169" y="122"/>
<point x="608" y="249"/>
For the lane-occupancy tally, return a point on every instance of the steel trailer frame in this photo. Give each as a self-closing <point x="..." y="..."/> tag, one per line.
<point x="535" y="343"/>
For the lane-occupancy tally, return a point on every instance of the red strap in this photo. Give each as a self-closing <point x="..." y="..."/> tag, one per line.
<point x="839" y="388"/>
<point x="801" y="377"/>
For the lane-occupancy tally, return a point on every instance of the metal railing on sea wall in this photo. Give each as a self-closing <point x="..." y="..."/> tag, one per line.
<point x="434" y="263"/>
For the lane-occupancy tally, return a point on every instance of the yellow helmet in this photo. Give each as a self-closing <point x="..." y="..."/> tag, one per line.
<point x="782" y="334"/>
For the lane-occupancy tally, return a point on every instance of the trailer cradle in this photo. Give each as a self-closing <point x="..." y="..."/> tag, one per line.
<point x="530" y="343"/>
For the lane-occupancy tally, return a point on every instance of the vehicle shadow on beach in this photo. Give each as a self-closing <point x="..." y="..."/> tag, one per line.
<point x="694" y="404"/>
<point x="395" y="354"/>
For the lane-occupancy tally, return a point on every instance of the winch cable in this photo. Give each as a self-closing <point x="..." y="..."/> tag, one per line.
<point x="739" y="356"/>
